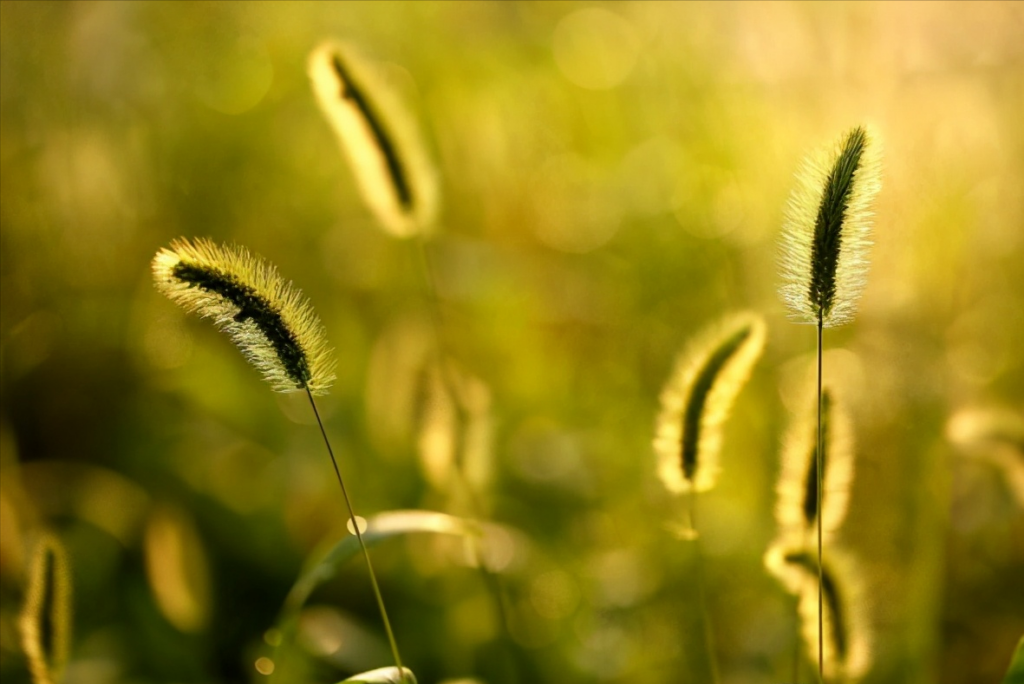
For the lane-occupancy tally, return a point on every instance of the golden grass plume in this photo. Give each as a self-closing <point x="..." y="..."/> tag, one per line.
<point x="847" y="642"/>
<point x="383" y="142"/>
<point x="697" y="399"/>
<point x="827" y="230"/>
<point x="45" y="620"/>
<point x="799" y="504"/>
<point x="266" y="317"/>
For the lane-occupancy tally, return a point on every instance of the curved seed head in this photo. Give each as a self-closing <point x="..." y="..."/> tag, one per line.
<point x="266" y="317"/>
<point x="697" y="399"/>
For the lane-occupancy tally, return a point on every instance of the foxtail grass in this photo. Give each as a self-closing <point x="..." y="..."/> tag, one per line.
<point x="276" y="329"/>
<point x="383" y="142"/>
<point x="824" y="258"/>
<point x="45" y="620"/>
<point x="695" y="402"/>
<point x="840" y="641"/>
<point x="800" y="503"/>
<point x="697" y="399"/>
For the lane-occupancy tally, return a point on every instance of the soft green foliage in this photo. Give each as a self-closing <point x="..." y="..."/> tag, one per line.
<point x="379" y="528"/>
<point x="1015" y="675"/>
<point x="613" y="178"/>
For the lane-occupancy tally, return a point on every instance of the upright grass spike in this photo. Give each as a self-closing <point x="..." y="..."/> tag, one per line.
<point x="45" y="621"/>
<point x="273" y="325"/>
<point x="697" y="399"/>
<point x="827" y="230"/>
<point x="823" y="257"/>
<point x="843" y="631"/>
<point x="266" y="317"/>
<point x="799" y="503"/>
<point x="382" y="140"/>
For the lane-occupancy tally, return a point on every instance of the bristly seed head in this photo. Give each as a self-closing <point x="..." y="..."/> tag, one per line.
<point x="826" y="236"/>
<point x="697" y="399"/>
<point x="266" y="317"/>
<point x="799" y="504"/>
<point x="382" y="140"/>
<point x="847" y="642"/>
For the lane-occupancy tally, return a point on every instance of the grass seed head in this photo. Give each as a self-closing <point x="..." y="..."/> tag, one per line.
<point x="798" y="503"/>
<point x="45" y="621"/>
<point x="266" y="317"/>
<point x="847" y="642"/>
<point x="827" y="230"/>
<point x="697" y="399"/>
<point x="382" y="140"/>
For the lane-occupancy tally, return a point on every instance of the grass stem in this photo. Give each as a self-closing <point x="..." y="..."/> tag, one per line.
<point x="362" y="544"/>
<point x="709" y="638"/>
<point x="491" y="580"/>
<point x="820" y="468"/>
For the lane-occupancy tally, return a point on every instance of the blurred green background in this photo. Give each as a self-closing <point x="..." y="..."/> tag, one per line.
<point x="613" y="179"/>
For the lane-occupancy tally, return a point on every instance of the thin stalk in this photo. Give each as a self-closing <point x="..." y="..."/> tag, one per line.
<point x="796" y="635"/>
<point x="491" y="580"/>
<point x="362" y="544"/>
<point x="821" y="478"/>
<point x="709" y="640"/>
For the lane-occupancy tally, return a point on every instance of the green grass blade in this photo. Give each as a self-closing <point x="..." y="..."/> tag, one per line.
<point x="1015" y="675"/>
<point x="383" y="675"/>
<point x="378" y="528"/>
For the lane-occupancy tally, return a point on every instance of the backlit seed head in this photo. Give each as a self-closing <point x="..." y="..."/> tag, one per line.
<point x="266" y="317"/>
<point x="827" y="230"/>
<point x="697" y="399"/>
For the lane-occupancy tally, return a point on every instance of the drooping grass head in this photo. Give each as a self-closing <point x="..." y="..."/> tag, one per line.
<point x="266" y="317"/>
<point x="827" y="230"/>
<point x="382" y="140"/>
<point x="847" y="635"/>
<point x="698" y="397"/>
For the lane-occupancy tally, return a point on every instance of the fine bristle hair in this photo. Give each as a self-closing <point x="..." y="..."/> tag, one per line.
<point x="383" y="142"/>
<point x="266" y="317"/>
<point x="827" y="230"/>
<point x="45" y="620"/>
<point x="847" y="643"/>
<point x="798" y="503"/>
<point x="697" y="399"/>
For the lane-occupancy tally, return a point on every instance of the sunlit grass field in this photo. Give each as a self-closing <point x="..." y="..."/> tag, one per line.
<point x="611" y="181"/>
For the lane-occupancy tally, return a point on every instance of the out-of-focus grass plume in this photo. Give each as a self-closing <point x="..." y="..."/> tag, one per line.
<point x="45" y="621"/>
<point x="698" y="397"/>
<point x="380" y="136"/>
<point x="847" y="642"/>
<point x="799" y="502"/>
<point x="613" y="178"/>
